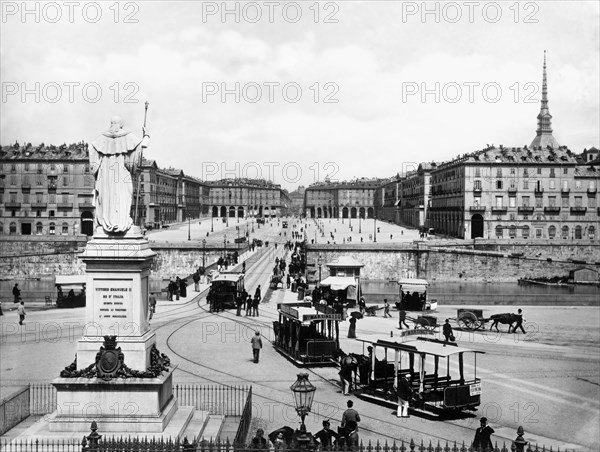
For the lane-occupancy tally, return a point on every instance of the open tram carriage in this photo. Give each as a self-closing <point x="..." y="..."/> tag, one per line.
<point x="434" y="369"/>
<point x="307" y="335"/>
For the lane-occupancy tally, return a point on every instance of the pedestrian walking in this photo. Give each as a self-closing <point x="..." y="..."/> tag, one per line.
<point x="404" y="393"/>
<point x="402" y="320"/>
<point x="288" y="281"/>
<point x="256" y="346"/>
<point x="447" y="331"/>
<point x="21" y="312"/>
<point x="519" y="323"/>
<point x="183" y="288"/>
<point x="244" y="267"/>
<point x="362" y="305"/>
<point x="350" y="415"/>
<point x="352" y="328"/>
<point x="386" y="308"/>
<point x="238" y="306"/>
<point x="152" y="305"/>
<point x="196" y="279"/>
<point x="255" y="304"/>
<point x="249" y="305"/>
<point x="483" y="436"/>
<point x="16" y="293"/>
<point x="257" y="294"/>
<point x="345" y="374"/>
<point x="176" y="287"/>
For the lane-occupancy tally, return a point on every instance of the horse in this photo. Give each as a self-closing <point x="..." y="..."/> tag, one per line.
<point x="505" y="319"/>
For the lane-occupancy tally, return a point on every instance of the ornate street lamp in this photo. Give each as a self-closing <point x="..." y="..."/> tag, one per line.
<point x="189" y="227"/>
<point x="211" y="223"/>
<point x="320" y="264"/>
<point x="304" y="393"/>
<point x="225" y="245"/>
<point x="203" y="253"/>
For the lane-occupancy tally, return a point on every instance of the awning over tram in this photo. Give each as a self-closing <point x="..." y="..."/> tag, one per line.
<point x="347" y="283"/>
<point x="68" y="282"/>
<point x="306" y="314"/>
<point x="413" y="285"/>
<point x="427" y="347"/>
<point x="339" y="282"/>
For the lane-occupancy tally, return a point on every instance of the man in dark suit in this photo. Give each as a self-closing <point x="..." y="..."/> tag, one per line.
<point x="483" y="435"/>
<point x="326" y="436"/>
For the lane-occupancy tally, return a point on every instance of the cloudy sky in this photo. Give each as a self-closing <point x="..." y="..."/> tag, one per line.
<point x="295" y="92"/>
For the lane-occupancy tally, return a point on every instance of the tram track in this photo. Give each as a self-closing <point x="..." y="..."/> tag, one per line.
<point x="267" y="385"/>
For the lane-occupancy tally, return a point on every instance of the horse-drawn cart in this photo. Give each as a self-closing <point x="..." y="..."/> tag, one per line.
<point x="470" y="319"/>
<point x="473" y="319"/>
<point x="425" y="322"/>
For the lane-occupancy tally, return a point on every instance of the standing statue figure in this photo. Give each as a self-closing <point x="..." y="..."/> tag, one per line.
<point x="114" y="157"/>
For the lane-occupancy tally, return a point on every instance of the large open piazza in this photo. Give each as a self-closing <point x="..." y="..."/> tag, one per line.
<point x="546" y="381"/>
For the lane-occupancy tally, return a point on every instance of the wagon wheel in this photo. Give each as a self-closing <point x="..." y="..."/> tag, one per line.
<point x="469" y="321"/>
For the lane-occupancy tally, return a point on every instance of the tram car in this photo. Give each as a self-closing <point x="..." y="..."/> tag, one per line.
<point x="413" y="296"/>
<point x="307" y="335"/>
<point x="435" y="370"/>
<point x="225" y="290"/>
<point x="70" y="291"/>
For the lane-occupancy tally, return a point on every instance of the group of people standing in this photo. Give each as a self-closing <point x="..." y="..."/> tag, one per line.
<point x="346" y="437"/>
<point x="177" y="288"/>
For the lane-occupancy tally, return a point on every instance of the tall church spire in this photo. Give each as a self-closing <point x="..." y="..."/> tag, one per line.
<point x="544" y="135"/>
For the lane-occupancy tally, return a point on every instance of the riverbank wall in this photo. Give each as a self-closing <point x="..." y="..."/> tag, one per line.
<point x="462" y="260"/>
<point x="435" y="260"/>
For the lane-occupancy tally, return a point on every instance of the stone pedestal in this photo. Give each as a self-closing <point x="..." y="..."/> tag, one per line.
<point x="117" y="286"/>
<point x="119" y="405"/>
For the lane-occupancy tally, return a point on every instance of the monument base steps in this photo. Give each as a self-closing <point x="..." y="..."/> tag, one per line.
<point x="186" y="422"/>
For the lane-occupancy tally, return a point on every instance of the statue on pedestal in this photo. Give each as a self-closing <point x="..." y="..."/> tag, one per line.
<point x="114" y="157"/>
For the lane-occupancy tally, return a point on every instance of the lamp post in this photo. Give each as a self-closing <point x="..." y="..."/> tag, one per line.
<point x="304" y="393"/>
<point x="189" y="227"/>
<point x="374" y="229"/>
<point x="211" y="223"/>
<point x="203" y="253"/>
<point x="359" y="225"/>
<point x="320" y="264"/>
<point x="225" y="245"/>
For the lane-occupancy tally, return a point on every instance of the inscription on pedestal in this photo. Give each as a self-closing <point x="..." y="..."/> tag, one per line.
<point x="113" y="302"/>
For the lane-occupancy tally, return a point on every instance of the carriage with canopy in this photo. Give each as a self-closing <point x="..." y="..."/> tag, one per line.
<point x="436" y="371"/>
<point x="307" y="335"/>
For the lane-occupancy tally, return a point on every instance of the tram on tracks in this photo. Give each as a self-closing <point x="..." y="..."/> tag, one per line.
<point x="435" y="370"/>
<point x="306" y="335"/>
<point x="225" y="290"/>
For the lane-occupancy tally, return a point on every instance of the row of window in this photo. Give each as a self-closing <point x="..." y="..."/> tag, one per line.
<point x="526" y="172"/>
<point x="40" y="180"/>
<point x="578" y="232"/>
<point x="39" y="228"/>
<point x="552" y="201"/>
<point x="39" y="167"/>
<point x="537" y="185"/>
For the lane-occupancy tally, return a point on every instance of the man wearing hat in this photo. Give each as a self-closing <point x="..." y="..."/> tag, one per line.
<point x="483" y="435"/>
<point x="326" y="436"/>
<point x="404" y="392"/>
<point x="256" y="345"/>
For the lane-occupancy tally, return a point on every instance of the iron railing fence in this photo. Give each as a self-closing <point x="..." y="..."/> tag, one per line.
<point x="111" y="444"/>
